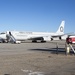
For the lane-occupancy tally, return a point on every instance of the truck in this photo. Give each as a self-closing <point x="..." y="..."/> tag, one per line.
<point x="70" y="39"/>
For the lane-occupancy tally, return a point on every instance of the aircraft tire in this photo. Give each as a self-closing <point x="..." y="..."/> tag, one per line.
<point x="34" y="41"/>
<point x="43" y="41"/>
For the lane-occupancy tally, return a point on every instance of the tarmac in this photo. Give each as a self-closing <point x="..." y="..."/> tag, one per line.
<point x="36" y="59"/>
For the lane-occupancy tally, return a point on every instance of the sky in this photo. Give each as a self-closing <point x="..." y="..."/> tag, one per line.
<point x="37" y="15"/>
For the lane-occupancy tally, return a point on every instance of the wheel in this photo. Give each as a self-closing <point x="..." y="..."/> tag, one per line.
<point x="34" y="41"/>
<point x="43" y="41"/>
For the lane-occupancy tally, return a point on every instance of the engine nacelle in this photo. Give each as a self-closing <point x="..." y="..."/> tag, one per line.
<point x="46" y="38"/>
<point x="56" y="38"/>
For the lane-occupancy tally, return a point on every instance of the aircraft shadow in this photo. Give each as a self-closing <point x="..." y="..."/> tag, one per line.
<point x="53" y="50"/>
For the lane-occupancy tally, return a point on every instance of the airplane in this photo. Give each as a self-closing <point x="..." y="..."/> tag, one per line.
<point x="18" y="36"/>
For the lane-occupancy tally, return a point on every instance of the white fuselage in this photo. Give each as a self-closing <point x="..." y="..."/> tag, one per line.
<point x="28" y="35"/>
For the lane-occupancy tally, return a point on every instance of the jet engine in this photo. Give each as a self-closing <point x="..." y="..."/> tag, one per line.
<point x="60" y="38"/>
<point x="46" y="38"/>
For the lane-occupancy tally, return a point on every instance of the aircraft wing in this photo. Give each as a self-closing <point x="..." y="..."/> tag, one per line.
<point x="36" y="38"/>
<point x="48" y="37"/>
<point x="43" y="38"/>
<point x="54" y="36"/>
<point x="72" y="33"/>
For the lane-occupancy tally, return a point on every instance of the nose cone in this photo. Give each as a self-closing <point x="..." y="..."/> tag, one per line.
<point x="3" y="35"/>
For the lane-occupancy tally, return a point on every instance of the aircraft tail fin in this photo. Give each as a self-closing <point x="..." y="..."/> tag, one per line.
<point x="61" y="28"/>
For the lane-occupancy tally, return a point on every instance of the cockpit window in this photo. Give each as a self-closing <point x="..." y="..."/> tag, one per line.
<point x="2" y="33"/>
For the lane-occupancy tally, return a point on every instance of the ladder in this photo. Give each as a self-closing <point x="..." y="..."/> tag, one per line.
<point x="11" y="38"/>
<point x="72" y="47"/>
